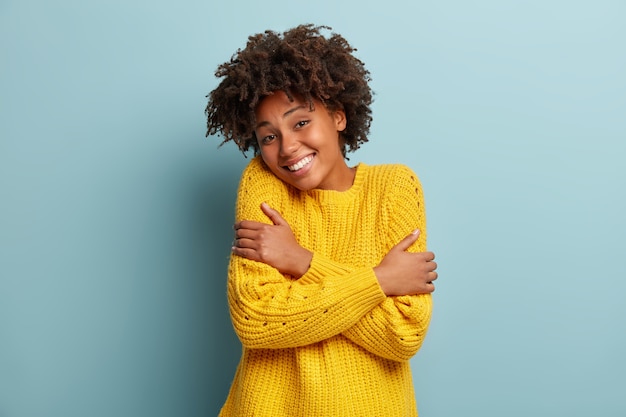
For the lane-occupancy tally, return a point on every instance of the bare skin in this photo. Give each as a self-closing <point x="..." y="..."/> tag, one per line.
<point x="399" y="273"/>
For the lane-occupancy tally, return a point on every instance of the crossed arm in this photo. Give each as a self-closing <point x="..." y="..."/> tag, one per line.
<point x="399" y="273"/>
<point x="385" y="309"/>
<point x="282" y="295"/>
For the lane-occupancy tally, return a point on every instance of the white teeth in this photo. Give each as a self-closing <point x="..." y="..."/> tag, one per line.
<point x="300" y="164"/>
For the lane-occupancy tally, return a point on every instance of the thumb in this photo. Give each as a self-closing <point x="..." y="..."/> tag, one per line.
<point x="274" y="216"/>
<point x="405" y="243"/>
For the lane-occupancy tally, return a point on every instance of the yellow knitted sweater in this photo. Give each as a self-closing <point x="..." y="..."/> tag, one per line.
<point x="329" y="343"/>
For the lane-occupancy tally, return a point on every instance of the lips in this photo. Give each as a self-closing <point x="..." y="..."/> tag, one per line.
<point x="300" y="164"/>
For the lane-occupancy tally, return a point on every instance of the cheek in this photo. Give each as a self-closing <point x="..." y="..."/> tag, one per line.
<point x="270" y="161"/>
<point x="266" y="158"/>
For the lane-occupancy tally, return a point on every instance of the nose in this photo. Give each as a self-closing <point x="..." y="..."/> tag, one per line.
<point x="288" y="145"/>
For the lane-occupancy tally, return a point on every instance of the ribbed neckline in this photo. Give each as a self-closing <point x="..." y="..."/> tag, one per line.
<point x="341" y="197"/>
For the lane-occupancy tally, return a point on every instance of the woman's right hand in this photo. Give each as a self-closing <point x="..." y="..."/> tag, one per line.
<point x="273" y="244"/>
<point x="407" y="273"/>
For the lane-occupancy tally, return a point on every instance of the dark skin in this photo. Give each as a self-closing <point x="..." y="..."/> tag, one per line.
<point x="288" y="131"/>
<point x="399" y="273"/>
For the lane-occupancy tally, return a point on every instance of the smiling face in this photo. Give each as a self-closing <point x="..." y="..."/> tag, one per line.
<point x="301" y="146"/>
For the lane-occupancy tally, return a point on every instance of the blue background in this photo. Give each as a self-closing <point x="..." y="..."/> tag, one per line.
<point x="116" y="212"/>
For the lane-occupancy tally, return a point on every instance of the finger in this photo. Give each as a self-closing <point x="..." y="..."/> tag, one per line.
<point x="405" y="243"/>
<point x="426" y="288"/>
<point x="245" y="252"/>
<point x="429" y="256"/>
<point x="248" y="224"/>
<point x="432" y="276"/>
<point x="247" y="233"/>
<point x="244" y="243"/>
<point x="274" y="216"/>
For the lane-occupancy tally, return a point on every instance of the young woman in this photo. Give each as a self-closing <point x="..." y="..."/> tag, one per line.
<point x="329" y="281"/>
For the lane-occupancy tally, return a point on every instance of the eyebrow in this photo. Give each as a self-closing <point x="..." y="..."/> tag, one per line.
<point x="287" y="113"/>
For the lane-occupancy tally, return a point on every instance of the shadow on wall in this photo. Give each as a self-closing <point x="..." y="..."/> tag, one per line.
<point x="216" y="212"/>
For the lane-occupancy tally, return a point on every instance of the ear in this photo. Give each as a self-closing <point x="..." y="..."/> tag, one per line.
<point x="340" y="120"/>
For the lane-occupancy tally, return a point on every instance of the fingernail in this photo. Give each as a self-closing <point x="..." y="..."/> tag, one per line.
<point x="415" y="232"/>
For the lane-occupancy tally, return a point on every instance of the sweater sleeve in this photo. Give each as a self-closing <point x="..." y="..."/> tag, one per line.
<point x="396" y="328"/>
<point x="271" y="310"/>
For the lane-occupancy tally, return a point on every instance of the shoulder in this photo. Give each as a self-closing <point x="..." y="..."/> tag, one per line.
<point x="389" y="169"/>
<point x="257" y="171"/>
<point x="257" y="185"/>
<point x="391" y="176"/>
<point x="256" y="176"/>
<point x="396" y="187"/>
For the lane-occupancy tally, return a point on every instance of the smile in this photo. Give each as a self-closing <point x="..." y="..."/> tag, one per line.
<point x="300" y="164"/>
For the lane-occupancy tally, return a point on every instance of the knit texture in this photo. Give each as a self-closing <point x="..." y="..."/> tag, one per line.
<point x="329" y="343"/>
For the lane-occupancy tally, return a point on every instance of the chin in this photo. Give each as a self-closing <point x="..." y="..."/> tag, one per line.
<point x="303" y="186"/>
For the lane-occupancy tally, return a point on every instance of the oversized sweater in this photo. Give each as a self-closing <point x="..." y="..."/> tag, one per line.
<point x="329" y="343"/>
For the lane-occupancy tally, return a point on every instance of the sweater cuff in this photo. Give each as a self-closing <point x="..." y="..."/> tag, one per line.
<point x="358" y="287"/>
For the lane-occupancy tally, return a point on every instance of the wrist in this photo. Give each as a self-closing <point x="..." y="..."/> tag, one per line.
<point x="383" y="280"/>
<point x="302" y="264"/>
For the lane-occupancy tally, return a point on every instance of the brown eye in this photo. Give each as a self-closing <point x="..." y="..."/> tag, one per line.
<point x="267" y="139"/>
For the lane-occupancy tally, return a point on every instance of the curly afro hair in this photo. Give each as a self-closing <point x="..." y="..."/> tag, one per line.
<point x="301" y="61"/>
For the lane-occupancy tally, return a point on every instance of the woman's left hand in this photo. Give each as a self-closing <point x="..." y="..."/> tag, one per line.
<point x="273" y="244"/>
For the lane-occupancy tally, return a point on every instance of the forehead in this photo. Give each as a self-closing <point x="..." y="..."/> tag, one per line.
<point x="279" y="98"/>
<point x="279" y="105"/>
